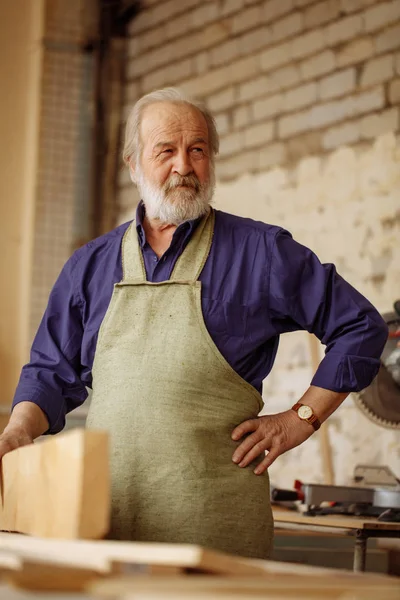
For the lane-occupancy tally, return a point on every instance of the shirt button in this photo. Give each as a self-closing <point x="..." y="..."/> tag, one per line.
<point x="155" y="259"/>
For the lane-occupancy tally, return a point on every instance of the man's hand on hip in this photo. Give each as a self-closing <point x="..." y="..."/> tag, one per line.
<point x="275" y="434"/>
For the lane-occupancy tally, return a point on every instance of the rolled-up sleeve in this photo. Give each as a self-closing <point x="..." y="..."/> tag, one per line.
<point x="51" y="379"/>
<point x="305" y="294"/>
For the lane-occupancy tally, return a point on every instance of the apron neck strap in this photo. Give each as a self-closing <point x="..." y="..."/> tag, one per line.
<point x="188" y="266"/>
<point x="133" y="268"/>
<point x="191" y="262"/>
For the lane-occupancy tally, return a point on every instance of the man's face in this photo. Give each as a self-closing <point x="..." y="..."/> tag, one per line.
<point x="174" y="174"/>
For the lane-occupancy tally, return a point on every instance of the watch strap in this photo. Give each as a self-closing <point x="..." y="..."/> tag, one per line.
<point x="313" y="420"/>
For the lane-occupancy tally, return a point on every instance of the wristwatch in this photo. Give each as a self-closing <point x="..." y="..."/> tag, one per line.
<point x="306" y="413"/>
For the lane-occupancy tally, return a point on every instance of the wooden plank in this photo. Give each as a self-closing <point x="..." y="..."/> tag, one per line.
<point x="58" y="487"/>
<point x="43" y="564"/>
<point x="9" y="561"/>
<point x="41" y="576"/>
<point x="301" y="595"/>
<point x="295" y="586"/>
<point x="270" y="594"/>
<point x="101" y="556"/>
<point x="104" y="556"/>
<point x="333" y="521"/>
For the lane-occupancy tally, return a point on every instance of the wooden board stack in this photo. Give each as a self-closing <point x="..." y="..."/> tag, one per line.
<point x="69" y="471"/>
<point x="129" y="570"/>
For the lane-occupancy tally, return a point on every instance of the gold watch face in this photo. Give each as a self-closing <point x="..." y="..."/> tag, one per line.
<point x="305" y="412"/>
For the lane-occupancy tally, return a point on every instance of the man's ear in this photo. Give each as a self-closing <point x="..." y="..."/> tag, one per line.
<point x="132" y="170"/>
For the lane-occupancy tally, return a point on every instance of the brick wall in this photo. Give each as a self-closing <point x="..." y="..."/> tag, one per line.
<point x="285" y="78"/>
<point x="306" y="96"/>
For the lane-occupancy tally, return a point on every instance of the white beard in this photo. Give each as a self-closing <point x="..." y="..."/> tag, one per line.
<point x="174" y="205"/>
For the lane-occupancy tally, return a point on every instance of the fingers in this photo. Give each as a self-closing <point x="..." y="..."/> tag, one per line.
<point x="268" y="460"/>
<point x="244" y="428"/>
<point x="254" y="452"/>
<point x="268" y="433"/>
<point x="245" y="447"/>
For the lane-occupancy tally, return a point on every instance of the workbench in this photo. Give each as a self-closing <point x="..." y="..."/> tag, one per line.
<point x="361" y="528"/>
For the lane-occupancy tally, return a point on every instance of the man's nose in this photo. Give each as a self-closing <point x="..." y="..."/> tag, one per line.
<point x="182" y="164"/>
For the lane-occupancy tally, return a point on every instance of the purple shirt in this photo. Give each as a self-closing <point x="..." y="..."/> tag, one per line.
<point x="256" y="284"/>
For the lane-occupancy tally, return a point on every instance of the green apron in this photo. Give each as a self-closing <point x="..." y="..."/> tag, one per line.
<point x="170" y="402"/>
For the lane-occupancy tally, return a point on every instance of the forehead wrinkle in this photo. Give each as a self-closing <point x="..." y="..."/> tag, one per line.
<point x="165" y="123"/>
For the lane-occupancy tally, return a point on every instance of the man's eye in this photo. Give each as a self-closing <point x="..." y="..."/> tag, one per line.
<point x="198" y="150"/>
<point x="169" y="150"/>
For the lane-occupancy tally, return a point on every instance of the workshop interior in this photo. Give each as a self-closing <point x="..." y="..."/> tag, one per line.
<point x="306" y="100"/>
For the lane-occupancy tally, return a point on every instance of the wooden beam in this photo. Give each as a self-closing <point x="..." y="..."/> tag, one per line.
<point x="45" y="577"/>
<point x="75" y="565"/>
<point x="58" y="487"/>
<point x="107" y="556"/>
<point x="336" y="584"/>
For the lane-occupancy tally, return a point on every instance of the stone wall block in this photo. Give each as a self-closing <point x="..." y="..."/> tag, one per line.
<point x="247" y="19"/>
<point x="318" y="65"/>
<point x="394" y="91"/>
<point x="354" y="52"/>
<point x="348" y="133"/>
<point x="258" y="135"/>
<point x="276" y="56"/>
<point x="287" y="27"/>
<point x="267" y="107"/>
<point x="377" y="70"/>
<point x="338" y="84"/>
<point x="273" y="9"/>
<point x="299" y="97"/>
<point x="381" y="14"/>
<point x="388" y="39"/>
<point x="320" y="13"/>
<point x="377" y="124"/>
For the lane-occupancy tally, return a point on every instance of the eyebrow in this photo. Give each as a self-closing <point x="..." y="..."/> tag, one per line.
<point x="162" y="144"/>
<point x="198" y="140"/>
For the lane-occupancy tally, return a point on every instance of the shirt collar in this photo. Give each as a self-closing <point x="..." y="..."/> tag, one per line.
<point x="184" y="229"/>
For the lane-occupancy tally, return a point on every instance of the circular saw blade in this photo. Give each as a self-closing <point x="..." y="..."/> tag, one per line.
<point x="380" y="401"/>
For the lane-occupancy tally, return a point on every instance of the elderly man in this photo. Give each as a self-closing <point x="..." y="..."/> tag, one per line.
<point x="174" y="321"/>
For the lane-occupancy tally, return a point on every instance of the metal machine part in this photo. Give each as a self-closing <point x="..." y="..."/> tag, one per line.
<point x="380" y="401"/>
<point x="315" y="494"/>
<point x="385" y="498"/>
<point x="369" y="476"/>
<point x="376" y="492"/>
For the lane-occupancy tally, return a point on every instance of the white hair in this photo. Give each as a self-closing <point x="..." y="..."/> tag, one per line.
<point x="133" y="143"/>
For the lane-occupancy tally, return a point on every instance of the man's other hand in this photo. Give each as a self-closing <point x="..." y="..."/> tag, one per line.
<point x="27" y="422"/>
<point x="13" y="438"/>
<point x="275" y="434"/>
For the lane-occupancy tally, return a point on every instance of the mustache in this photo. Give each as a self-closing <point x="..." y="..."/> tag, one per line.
<point x="186" y="180"/>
